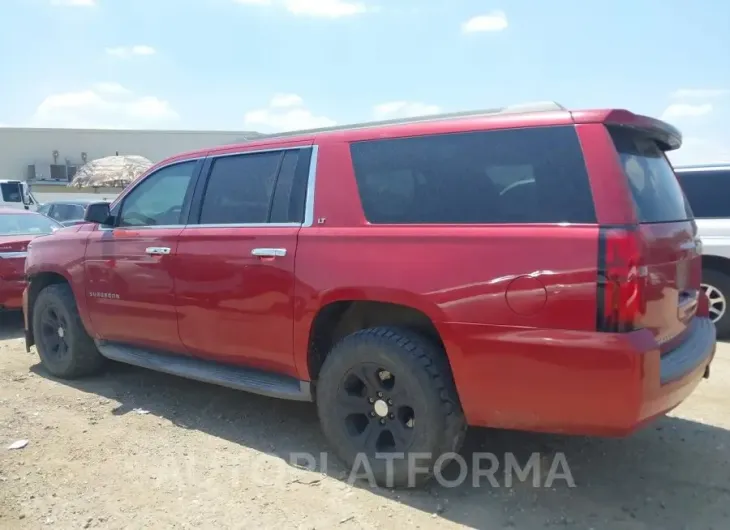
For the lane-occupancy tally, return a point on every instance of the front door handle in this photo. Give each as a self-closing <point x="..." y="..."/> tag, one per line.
<point x="269" y="252"/>
<point x="157" y="251"/>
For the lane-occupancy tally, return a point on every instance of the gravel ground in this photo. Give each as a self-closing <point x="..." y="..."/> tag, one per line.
<point x="136" y="449"/>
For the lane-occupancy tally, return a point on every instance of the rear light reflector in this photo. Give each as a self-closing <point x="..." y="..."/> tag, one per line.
<point x="622" y="277"/>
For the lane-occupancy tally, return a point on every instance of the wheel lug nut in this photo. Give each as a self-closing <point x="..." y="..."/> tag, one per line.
<point x="382" y="422"/>
<point x="391" y="416"/>
<point x="380" y="394"/>
<point x="372" y="414"/>
<point x="390" y="402"/>
<point x="371" y="400"/>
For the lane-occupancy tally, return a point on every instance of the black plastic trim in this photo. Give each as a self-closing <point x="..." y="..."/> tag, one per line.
<point x="235" y="377"/>
<point x="696" y="349"/>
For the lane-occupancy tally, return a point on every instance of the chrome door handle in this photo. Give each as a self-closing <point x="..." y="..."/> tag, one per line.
<point x="157" y="251"/>
<point x="269" y="252"/>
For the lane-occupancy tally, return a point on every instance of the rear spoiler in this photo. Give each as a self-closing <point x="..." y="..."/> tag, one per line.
<point x="668" y="136"/>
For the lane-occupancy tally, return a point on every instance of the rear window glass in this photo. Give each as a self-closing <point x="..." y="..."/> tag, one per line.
<point x="708" y="192"/>
<point x="655" y="190"/>
<point x="533" y="175"/>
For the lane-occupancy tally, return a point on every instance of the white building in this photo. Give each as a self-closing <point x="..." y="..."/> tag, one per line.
<point x="47" y="155"/>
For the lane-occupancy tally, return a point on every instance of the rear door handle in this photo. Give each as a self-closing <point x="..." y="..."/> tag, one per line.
<point x="157" y="251"/>
<point x="269" y="252"/>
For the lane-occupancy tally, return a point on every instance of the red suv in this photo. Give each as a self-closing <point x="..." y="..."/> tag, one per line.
<point x="526" y="268"/>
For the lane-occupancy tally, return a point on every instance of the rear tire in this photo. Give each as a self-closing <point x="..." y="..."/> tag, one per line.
<point x="716" y="285"/>
<point x="65" y="348"/>
<point x="388" y="391"/>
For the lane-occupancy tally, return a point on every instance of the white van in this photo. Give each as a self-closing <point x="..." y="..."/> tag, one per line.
<point x="17" y="194"/>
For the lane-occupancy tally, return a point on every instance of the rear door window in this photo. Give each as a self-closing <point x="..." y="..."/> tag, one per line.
<point x="708" y="192"/>
<point x="256" y="188"/>
<point x="655" y="189"/>
<point x="533" y="175"/>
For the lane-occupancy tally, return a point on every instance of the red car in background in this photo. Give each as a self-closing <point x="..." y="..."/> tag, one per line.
<point x="17" y="229"/>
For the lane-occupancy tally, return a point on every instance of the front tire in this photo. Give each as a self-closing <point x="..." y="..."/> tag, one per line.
<point x="388" y="405"/>
<point x="65" y="348"/>
<point x="716" y="286"/>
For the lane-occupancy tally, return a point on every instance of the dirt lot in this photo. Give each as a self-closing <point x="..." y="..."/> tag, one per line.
<point x="198" y="456"/>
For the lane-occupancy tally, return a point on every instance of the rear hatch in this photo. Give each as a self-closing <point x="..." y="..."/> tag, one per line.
<point x="659" y="291"/>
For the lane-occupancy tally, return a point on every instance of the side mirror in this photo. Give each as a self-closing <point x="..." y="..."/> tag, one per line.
<point x="98" y="212"/>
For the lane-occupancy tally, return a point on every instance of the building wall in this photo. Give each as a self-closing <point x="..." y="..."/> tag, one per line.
<point x="22" y="147"/>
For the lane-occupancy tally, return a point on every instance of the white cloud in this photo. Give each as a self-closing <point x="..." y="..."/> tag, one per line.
<point x="314" y="8"/>
<point x="105" y="106"/>
<point x="403" y="109"/>
<point x="325" y="8"/>
<point x="125" y="52"/>
<point x="74" y="3"/>
<point x="494" y="21"/>
<point x="699" y="93"/>
<point x="285" y="112"/>
<point x="686" y="110"/>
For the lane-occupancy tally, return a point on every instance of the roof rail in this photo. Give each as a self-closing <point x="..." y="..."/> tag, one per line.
<point x="540" y="106"/>
<point x="536" y="106"/>
<point x="722" y="166"/>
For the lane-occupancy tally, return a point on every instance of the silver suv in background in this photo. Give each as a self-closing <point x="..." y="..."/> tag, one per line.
<point x="708" y="190"/>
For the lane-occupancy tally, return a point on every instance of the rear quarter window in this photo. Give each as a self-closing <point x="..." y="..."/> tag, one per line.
<point x="655" y="189"/>
<point x="708" y="192"/>
<point x="532" y="175"/>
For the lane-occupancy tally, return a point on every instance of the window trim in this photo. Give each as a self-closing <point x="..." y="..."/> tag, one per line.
<point x="202" y="183"/>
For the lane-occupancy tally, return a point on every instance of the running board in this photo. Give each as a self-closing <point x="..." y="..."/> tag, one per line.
<point x="236" y="377"/>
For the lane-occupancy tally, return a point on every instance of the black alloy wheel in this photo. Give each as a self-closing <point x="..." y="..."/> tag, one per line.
<point x="376" y="410"/>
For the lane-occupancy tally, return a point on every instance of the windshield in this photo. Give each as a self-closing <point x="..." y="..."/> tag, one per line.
<point x="26" y="224"/>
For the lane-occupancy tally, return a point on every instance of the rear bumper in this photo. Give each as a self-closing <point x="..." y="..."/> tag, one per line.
<point x="573" y="382"/>
<point x="678" y="371"/>
<point x="11" y="294"/>
<point x="691" y="354"/>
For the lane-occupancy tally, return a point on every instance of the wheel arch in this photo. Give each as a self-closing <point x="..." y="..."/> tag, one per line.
<point x="348" y="311"/>
<point x="718" y="263"/>
<point x="38" y="281"/>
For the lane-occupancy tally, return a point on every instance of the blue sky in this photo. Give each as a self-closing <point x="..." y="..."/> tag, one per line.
<point x="270" y="65"/>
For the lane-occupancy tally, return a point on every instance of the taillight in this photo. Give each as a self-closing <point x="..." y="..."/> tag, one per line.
<point x="621" y="280"/>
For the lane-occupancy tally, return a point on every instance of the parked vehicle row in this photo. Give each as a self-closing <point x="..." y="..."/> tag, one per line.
<point x="526" y="268"/>
<point x="708" y="191"/>
<point x="68" y="212"/>
<point x="16" y="194"/>
<point x="18" y="227"/>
